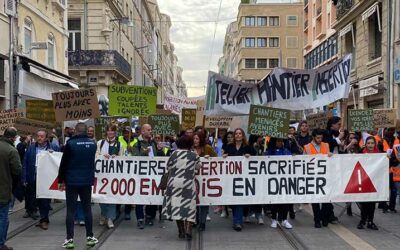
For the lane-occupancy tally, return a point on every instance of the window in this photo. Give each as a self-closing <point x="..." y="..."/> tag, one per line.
<point x="250" y="21"/>
<point x="350" y="45"/>
<point x="28" y="36"/>
<point x="274" y="42"/>
<point x="292" y="20"/>
<point x="292" y="42"/>
<point x="291" y="62"/>
<point x="262" y="63"/>
<point x="273" y="63"/>
<point x="250" y="42"/>
<point x="261" y="42"/>
<point x="74" y="30"/>
<point x="250" y="63"/>
<point x="375" y="37"/>
<point x="273" y="21"/>
<point x="50" y="51"/>
<point x="262" y="21"/>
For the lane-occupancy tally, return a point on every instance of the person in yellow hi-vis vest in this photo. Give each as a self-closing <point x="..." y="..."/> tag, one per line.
<point x="321" y="211"/>
<point x="127" y="142"/>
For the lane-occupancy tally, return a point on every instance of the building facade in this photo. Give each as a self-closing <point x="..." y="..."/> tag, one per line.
<point x="264" y="36"/>
<point x="4" y="55"/>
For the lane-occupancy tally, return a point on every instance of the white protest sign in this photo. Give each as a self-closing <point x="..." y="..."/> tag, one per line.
<point x="235" y="180"/>
<point x="176" y="104"/>
<point x="291" y="89"/>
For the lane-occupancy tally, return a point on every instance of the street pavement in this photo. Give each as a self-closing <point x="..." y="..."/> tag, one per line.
<point x="218" y="234"/>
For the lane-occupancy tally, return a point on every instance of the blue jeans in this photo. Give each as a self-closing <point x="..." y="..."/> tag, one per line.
<point x="139" y="212"/>
<point x="237" y="211"/>
<point x="109" y="211"/>
<point x="202" y="212"/>
<point x="4" y="222"/>
<point x="79" y="215"/>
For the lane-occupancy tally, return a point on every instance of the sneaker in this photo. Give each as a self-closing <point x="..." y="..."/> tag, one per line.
<point x="237" y="227"/>
<point x="274" y="224"/>
<point x="247" y="219"/>
<point x="292" y="215"/>
<point x="140" y="224"/>
<point x="372" y="226"/>
<point x="260" y="221"/>
<point x="91" y="241"/>
<point x="286" y="224"/>
<point x="317" y="225"/>
<point x="26" y="215"/>
<point x="110" y="224"/>
<point x="81" y="223"/>
<point x="149" y="222"/>
<point x="102" y="221"/>
<point x="361" y="225"/>
<point x="208" y="218"/>
<point x="223" y="214"/>
<point x="68" y="244"/>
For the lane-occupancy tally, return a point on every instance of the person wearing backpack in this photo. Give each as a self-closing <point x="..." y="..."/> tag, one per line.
<point x="108" y="148"/>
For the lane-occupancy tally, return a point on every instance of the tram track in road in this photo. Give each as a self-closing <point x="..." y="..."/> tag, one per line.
<point x="31" y="223"/>
<point x="105" y="233"/>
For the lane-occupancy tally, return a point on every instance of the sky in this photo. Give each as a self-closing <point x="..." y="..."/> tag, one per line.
<point x="194" y="40"/>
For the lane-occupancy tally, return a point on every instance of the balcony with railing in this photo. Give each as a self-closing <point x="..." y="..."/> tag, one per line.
<point x="108" y="60"/>
<point x="305" y="24"/>
<point x="319" y="11"/>
<point x="342" y="7"/>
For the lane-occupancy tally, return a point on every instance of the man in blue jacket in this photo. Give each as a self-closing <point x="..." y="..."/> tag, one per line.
<point x="29" y="178"/>
<point x="76" y="175"/>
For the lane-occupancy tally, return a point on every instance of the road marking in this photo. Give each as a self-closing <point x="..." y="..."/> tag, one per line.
<point x="345" y="234"/>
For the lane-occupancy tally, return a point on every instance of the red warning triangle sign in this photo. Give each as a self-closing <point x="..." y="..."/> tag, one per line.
<point x="359" y="182"/>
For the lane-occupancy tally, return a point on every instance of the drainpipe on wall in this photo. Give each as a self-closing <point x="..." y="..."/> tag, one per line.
<point x="390" y="55"/>
<point x="11" y="62"/>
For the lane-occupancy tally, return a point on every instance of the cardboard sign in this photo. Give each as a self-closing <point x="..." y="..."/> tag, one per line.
<point x="8" y="118"/>
<point x="218" y="122"/>
<point x="384" y="118"/>
<point x="318" y="120"/>
<point x="163" y="124"/>
<point x="132" y="100"/>
<point x="30" y="127"/>
<point x="176" y="104"/>
<point x="188" y="118"/>
<point x="40" y="110"/>
<point x="201" y="105"/>
<point x="76" y="104"/>
<point x="102" y="122"/>
<point x="359" y="120"/>
<point x="269" y="121"/>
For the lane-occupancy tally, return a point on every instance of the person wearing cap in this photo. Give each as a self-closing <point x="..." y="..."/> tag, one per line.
<point x="128" y="143"/>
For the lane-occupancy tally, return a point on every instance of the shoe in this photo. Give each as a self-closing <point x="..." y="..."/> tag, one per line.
<point x="110" y="223"/>
<point x="202" y="227"/>
<point x="188" y="230"/>
<point x="91" y="241"/>
<point x="102" y="221"/>
<point x="325" y="223"/>
<point x="223" y="214"/>
<point x="149" y="222"/>
<point x="274" y="224"/>
<point x="260" y="221"/>
<point x="208" y="218"/>
<point x="34" y="216"/>
<point x="237" y="227"/>
<point x="393" y="210"/>
<point x="292" y="215"/>
<point x="5" y="247"/>
<point x="26" y="215"/>
<point x="140" y="224"/>
<point x="317" y="225"/>
<point x="333" y="219"/>
<point x="81" y="223"/>
<point x="385" y="210"/>
<point x="361" y="225"/>
<point x="286" y="224"/>
<point x="181" y="229"/>
<point x="68" y="244"/>
<point x="127" y="217"/>
<point x="43" y="225"/>
<point x="247" y="219"/>
<point x="372" y="226"/>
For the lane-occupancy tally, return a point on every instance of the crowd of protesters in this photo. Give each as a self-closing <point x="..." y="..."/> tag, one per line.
<point x="80" y="147"/>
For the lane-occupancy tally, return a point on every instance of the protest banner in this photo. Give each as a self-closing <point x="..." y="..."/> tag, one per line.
<point x="269" y="121"/>
<point x="234" y="180"/>
<point x="164" y="124"/>
<point x="40" y="110"/>
<point x="8" y="118"/>
<point x="176" y="104"/>
<point x="384" y="118"/>
<point x="200" y="112"/>
<point x="359" y="120"/>
<point x="218" y="122"/>
<point x="129" y="100"/>
<point x="318" y="120"/>
<point x="101" y="123"/>
<point x="291" y="89"/>
<point x="76" y="104"/>
<point x="30" y="127"/>
<point x="188" y="118"/>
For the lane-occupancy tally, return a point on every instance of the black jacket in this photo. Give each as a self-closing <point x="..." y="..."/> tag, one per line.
<point x="77" y="163"/>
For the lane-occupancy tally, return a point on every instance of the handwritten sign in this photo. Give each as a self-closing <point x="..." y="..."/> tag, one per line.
<point x="132" y="100"/>
<point x="318" y="120"/>
<point x="76" y="104"/>
<point x="8" y="118"/>
<point x="40" y="110"/>
<point x="163" y="124"/>
<point x="30" y="127"/>
<point x="201" y="105"/>
<point x="218" y="122"/>
<point x="268" y="121"/>
<point x="360" y="120"/>
<point x="188" y="118"/>
<point x="384" y="118"/>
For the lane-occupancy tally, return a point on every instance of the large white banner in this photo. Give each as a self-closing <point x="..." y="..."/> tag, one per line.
<point x="176" y="104"/>
<point x="292" y="89"/>
<point x="235" y="180"/>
